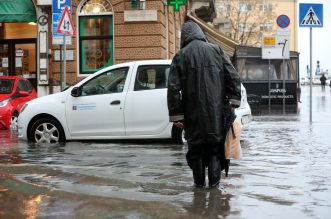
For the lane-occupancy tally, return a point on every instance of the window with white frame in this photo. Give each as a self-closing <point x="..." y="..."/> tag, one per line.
<point x="244" y="7"/>
<point x="96" y="37"/>
<point x="266" y="27"/>
<point x="245" y="27"/>
<point x="265" y="7"/>
<point x="223" y="7"/>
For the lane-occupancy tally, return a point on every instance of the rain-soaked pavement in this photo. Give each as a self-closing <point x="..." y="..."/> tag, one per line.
<point x="285" y="173"/>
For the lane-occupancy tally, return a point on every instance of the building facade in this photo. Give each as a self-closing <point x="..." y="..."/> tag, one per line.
<point x="108" y="32"/>
<point x="245" y="21"/>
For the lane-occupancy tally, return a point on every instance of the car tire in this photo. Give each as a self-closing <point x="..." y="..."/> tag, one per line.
<point x="178" y="135"/>
<point x="46" y="131"/>
<point x="13" y="121"/>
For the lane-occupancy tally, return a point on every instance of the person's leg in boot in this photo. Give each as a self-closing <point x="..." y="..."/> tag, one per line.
<point x="214" y="166"/>
<point x="196" y="163"/>
<point x="199" y="174"/>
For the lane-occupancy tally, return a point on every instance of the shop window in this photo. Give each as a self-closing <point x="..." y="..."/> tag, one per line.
<point x="256" y="69"/>
<point x="96" y="45"/>
<point x="2" y="34"/>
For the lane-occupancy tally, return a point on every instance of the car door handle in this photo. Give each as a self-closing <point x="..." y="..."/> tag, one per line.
<point x="115" y="102"/>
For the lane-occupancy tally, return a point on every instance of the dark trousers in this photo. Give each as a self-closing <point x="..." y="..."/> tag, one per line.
<point x="205" y="152"/>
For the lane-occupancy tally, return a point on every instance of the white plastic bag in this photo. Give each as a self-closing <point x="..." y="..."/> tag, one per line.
<point x="232" y="142"/>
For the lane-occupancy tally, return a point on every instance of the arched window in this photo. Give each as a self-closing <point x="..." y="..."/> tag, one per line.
<point x="96" y="44"/>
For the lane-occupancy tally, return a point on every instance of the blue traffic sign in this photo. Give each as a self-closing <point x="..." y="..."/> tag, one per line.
<point x="59" y="5"/>
<point x="311" y="15"/>
<point x="283" y="21"/>
<point x="57" y="8"/>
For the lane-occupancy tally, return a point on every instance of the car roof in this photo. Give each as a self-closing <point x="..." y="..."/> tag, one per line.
<point x="12" y="77"/>
<point x="150" y="61"/>
<point x="138" y="62"/>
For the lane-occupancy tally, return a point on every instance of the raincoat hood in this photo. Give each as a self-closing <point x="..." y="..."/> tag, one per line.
<point x="191" y="31"/>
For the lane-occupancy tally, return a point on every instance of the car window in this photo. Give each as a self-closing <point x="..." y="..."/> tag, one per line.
<point x="21" y="86"/>
<point x="151" y="77"/>
<point x="6" y="86"/>
<point x="109" y="82"/>
<point x="29" y="86"/>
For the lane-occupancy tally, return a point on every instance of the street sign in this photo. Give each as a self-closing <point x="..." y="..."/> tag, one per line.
<point x="276" y="46"/>
<point x="59" y="5"/>
<point x="311" y="15"/>
<point x="66" y="26"/>
<point x="57" y="38"/>
<point x="269" y="41"/>
<point x="57" y="9"/>
<point x="283" y="21"/>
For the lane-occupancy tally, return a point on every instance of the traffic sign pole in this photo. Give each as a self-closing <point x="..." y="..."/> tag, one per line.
<point x="64" y="62"/>
<point x="65" y="27"/>
<point x="311" y="77"/>
<point x="311" y="15"/>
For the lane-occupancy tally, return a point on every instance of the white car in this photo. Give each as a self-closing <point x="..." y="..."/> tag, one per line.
<point x="304" y="81"/>
<point x="124" y="101"/>
<point x="316" y="80"/>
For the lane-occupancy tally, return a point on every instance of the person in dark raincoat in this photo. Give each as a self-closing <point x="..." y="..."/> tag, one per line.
<point x="201" y="81"/>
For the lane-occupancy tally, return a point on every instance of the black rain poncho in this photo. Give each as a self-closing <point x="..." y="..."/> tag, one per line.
<point x="201" y="75"/>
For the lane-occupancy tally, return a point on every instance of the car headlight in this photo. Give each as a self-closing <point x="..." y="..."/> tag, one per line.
<point x="24" y="107"/>
<point x="4" y="102"/>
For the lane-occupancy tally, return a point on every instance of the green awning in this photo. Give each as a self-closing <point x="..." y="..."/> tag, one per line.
<point x="17" y="11"/>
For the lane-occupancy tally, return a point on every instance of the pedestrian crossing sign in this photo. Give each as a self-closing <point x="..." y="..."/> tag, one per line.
<point x="311" y="15"/>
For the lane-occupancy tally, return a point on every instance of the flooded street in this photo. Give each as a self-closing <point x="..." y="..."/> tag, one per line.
<point x="284" y="173"/>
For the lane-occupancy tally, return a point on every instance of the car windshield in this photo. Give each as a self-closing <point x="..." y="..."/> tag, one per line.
<point x="6" y="86"/>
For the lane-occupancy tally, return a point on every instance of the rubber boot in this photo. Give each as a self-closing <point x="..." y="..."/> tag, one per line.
<point x="199" y="173"/>
<point x="214" y="172"/>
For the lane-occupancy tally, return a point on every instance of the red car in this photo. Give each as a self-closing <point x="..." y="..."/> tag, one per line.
<point x="14" y="93"/>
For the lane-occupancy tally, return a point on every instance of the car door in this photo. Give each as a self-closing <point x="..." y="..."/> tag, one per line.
<point x="146" y="111"/>
<point x="98" y="112"/>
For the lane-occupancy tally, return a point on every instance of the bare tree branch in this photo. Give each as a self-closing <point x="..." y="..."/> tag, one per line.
<point x="246" y="19"/>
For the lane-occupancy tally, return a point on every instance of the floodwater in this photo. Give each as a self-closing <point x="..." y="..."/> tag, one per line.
<point x="284" y="173"/>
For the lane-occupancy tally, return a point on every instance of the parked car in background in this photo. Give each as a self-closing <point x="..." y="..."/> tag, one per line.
<point x="316" y="80"/>
<point x="14" y="93"/>
<point x="304" y="80"/>
<point x="124" y="101"/>
<point x="328" y="79"/>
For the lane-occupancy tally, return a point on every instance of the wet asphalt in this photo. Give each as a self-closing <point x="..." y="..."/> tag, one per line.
<point x="284" y="173"/>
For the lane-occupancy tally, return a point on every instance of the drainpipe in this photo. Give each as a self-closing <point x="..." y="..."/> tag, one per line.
<point x="167" y="27"/>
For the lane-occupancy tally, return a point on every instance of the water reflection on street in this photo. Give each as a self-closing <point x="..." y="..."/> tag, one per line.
<point x="285" y="173"/>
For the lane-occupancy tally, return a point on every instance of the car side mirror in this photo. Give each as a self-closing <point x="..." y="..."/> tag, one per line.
<point x="23" y="93"/>
<point x="75" y="92"/>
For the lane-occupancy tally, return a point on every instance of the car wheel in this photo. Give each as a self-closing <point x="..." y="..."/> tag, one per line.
<point x="178" y="135"/>
<point x="13" y="121"/>
<point x="46" y="130"/>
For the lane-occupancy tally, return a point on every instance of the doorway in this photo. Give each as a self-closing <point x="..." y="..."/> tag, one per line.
<point x="18" y="57"/>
